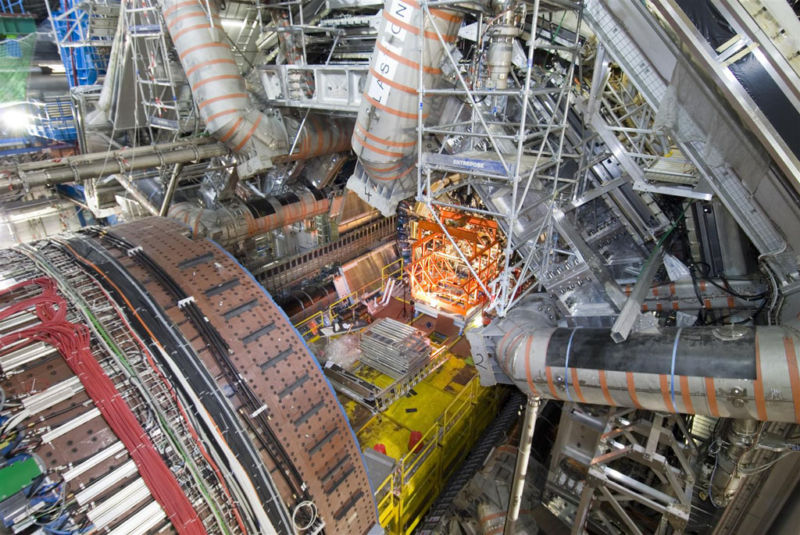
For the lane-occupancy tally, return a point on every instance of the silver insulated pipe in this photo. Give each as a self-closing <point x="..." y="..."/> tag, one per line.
<point x="728" y="371"/>
<point x="385" y="135"/>
<point x="218" y="87"/>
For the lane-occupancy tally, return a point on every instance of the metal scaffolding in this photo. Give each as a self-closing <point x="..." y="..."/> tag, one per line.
<point x="518" y="169"/>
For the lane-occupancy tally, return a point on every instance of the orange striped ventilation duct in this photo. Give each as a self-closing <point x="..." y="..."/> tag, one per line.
<point x="385" y="136"/>
<point x="218" y="87"/>
<point x="726" y="371"/>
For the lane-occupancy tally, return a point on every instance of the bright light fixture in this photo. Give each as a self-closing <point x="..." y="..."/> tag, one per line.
<point x="15" y="119"/>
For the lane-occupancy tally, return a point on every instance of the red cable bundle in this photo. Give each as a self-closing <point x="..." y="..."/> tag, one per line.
<point x="73" y="342"/>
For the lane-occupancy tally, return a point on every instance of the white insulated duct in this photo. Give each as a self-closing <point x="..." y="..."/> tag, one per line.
<point x="218" y="87"/>
<point x="385" y="135"/>
<point x="729" y="371"/>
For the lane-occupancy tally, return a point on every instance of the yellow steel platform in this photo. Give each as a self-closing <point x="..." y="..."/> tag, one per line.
<point x="450" y="409"/>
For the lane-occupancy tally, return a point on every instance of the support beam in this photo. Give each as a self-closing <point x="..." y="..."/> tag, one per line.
<point x="523" y="455"/>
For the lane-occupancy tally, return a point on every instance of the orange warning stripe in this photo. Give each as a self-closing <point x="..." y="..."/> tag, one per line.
<point x="220" y="114"/>
<point x="576" y="385"/>
<point x="184" y="31"/>
<point x="201" y="47"/>
<point x="209" y="62"/>
<point x="794" y="375"/>
<point x="501" y="347"/>
<point x="395" y="177"/>
<point x="405" y="61"/>
<point x="191" y="14"/>
<point x="686" y="395"/>
<point x="393" y="111"/>
<point x="758" y="387"/>
<point x="438" y="13"/>
<point x="176" y="7"/>
<point x="510" y="345"/>
<point x="447" y="38"/>
<point x="392" y="83"/>
<point x="211" y="79"/>
<point x="550" y="384"/>
<point x="528" y="374"/>
<point x="221" y="97"/>
<point x="249" y="134"/>
<point x="373" y="148"/>
<point x="232" y="130"/>
<point x="382" y="140"/>
<point x="632" y="389"/>
<point x="711" y="395"/>
<point x="662" y="379"/>
<point x="604" y="388"/>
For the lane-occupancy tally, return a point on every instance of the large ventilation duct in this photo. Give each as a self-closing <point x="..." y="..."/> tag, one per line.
<point x="233" y="222"/>
<point x="385" y="135"/>
<point x="728" y="371"/>
<point x="218" y="87"/>
<point x="320" y="136"/>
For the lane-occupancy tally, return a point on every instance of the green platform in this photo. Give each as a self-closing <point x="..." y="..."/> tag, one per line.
<point x="17" y="25"/>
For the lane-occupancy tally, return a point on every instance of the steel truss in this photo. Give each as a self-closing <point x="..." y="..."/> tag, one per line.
<point x="517" y="169"/>
<point x="663" y="478"/>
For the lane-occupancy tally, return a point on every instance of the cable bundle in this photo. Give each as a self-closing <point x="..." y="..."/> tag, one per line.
<point x="73" y="342"/>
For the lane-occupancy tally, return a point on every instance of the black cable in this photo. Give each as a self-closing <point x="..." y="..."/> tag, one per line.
<point x="153" y="327"/>
<point x="705" y="278"/>
<point x="220" y="350"/>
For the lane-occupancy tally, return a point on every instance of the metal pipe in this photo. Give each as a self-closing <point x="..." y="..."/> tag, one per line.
<point x="131" y="188"/>
<point x="171" y="187"/>
<point x="740" y="449"/>
<point x="235" y="221"/>
<point x="683" y="295"/>
<point x="319" y="136"/>
<point x="122" y="161"/>
<point x="728" y="371"/>
<point x="521" y="469"/>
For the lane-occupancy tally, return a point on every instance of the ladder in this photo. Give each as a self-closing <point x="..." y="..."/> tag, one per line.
<point x="169" y="112"/>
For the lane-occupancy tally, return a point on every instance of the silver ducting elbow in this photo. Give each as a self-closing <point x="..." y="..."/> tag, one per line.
<point x="385" y="135"/>
<point x="728" y="372"/>
<point x="218" y="87"/>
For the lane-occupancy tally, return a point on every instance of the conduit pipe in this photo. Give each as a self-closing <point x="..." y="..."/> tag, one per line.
<point x="238" y="220"/>
<point x="99" y="116"/>
<point x="728" y="371"/>
<point x="218" y="87"/>
<point x="385" y="135"/>
<point x="122" y="161"/>
<point x="320" y="136"/>
<point x="137" y="195"/>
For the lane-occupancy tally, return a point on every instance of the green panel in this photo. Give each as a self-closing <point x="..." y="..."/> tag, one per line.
<point x="16" y="25"/>
<point x="15" y="66"/>
<point x="17" y="476"/>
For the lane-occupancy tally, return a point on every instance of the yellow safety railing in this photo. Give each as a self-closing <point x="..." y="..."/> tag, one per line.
<point x="407" y="493"/>
<point x="309" y="328"/>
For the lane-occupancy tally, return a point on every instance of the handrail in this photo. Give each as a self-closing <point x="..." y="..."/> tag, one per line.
<point x="311" y="324"/>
